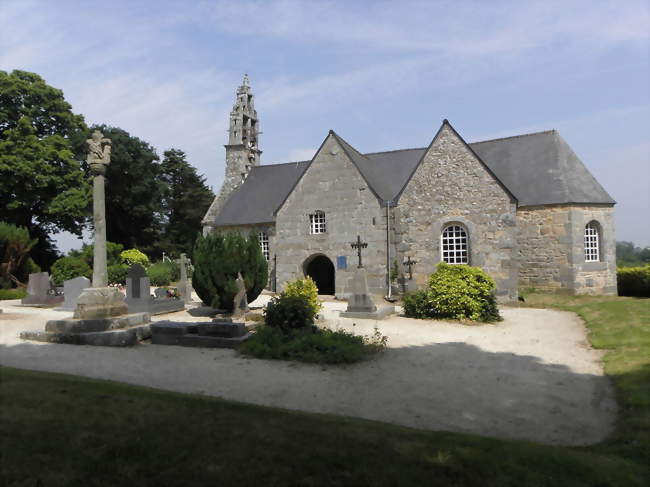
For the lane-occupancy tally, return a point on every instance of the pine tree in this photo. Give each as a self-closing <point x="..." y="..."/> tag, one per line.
<point x="186" y="199"/>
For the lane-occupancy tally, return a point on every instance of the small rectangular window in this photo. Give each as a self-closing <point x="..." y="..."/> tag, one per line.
<point x="317" y="223"/>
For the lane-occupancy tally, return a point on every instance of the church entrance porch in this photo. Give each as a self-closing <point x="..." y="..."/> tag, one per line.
<point x="321" y="270"/>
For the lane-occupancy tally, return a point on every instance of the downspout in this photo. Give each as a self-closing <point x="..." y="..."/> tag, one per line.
<point x="388" y="294"/>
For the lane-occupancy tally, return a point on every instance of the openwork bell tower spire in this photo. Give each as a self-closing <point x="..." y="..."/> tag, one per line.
<point x="242" y="149"/>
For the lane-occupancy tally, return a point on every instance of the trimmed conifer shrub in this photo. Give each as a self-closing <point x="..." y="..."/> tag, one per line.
<point x="218" y="257"/>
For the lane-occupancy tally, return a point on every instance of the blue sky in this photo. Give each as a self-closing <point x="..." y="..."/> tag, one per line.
<point x="382" y="74"/>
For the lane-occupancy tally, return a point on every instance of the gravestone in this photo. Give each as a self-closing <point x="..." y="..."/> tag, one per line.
<point x="160" y="292"/>
<point x="138" y="296"/>
<point x="360" y="302"/>
<point x="40" y="291"/>
<point x="240" y="303"/>
<point x="72" y="288"/>
<point x="185" y="284"/>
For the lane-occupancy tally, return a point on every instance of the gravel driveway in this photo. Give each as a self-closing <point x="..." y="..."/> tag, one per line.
<point x="532" y="376"/>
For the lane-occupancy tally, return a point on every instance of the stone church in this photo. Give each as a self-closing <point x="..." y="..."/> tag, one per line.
<point x="523" y="208"/>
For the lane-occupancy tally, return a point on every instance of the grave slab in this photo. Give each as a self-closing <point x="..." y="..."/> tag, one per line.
<point x="72" y="289"/>
<point x="40" y="291"/>
<point x="139" y="299"/>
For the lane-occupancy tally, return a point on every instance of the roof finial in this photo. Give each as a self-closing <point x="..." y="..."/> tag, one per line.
<point x="245" y="82"/>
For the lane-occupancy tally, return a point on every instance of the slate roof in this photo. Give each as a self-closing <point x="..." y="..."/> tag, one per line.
<point x="538" y="169"/>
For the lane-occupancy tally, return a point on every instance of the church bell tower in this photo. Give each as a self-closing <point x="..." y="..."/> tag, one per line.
<point x="242" y="150"/>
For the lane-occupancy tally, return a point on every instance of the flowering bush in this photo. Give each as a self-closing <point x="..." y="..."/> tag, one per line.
<point x="305" y="288"/>
<point x="134" y="256"/>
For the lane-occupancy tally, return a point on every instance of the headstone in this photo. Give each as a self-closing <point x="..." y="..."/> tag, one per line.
<point x="40" y="292"/>
<point x="185" y="284"/>
<point x="240" y="304"/>
<point x="72" y="289"/>
<point x="139" y="299"/>
<point x="360" y="303"/>
<point x="137" y="283"/>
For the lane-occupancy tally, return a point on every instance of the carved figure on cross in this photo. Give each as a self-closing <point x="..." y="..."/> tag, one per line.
<point x="410" y="263"/>
<point x="359" y="245"/>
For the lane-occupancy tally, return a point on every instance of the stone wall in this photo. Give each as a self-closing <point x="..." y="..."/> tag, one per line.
<point x="551" y="249"/>
<point x="452" y="186"/>
<point x="332" y="184"/>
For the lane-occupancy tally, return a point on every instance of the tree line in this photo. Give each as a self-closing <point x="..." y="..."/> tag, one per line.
<point x="45" y="183"/>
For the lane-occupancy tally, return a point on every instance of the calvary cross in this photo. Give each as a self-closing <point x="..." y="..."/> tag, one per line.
<point x="359" y="245"/>
<point x="410" y="263"/>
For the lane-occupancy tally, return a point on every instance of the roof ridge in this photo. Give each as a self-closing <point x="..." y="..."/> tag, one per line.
<point x="515" y="136"/>
<point x="394" y="150"/>
<point x="280" y="164"/>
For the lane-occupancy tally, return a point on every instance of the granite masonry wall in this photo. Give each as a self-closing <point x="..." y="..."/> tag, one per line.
<point x="452" y="186"/>
<point x="551" y="249"/>
<point x="332" y="184"/>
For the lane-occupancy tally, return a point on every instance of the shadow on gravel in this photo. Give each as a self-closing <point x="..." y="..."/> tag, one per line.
<point x="447" y="386"/>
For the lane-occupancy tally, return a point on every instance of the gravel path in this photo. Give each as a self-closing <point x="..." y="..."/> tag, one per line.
<point x="532" y="376"/>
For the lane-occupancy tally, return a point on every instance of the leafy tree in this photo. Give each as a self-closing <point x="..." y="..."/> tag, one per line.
<point x="218" y="257"/>
<point x="15" y="263"/>
<point x="68" y="268"/>
<point x="628" y="255"/>
<point x="185" y="201"/>
<point x="133" y="189"/>
<point x="42" y="186"/>
<point x="113" y="251"/>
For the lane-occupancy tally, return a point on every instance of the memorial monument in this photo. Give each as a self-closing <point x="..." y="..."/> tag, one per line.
<point x="360" y="303"/>
<point x="102" y="315"/>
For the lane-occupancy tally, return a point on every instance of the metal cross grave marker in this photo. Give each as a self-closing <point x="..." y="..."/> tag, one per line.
<point x="410" y="263"/>
<point x="359" y="245"/>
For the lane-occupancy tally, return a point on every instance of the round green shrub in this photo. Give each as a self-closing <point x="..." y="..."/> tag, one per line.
<point x="218" y="257"/>
<point x="134" y="256"/>
<point x="305" y="288"/>
<point x="117" y="273"/>
<point x="455" y="291"/>
<point x="68" y="268"/>
<point x="289" y="313"/>
<point x="160" y="273"/>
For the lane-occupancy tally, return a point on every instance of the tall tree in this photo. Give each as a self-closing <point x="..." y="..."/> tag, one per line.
<point x="185" y="201"/>
<point x="42" y="186"/>
<point x="133" y="189"/>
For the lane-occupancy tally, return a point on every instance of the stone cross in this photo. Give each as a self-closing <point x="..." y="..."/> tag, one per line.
<point x="410" y="263"/>
<point x="359" y="245"/>
<point x="99" y="157"/>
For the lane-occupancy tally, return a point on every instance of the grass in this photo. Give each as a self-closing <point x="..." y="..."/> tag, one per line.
<point x="64" y="430"/>
<point x="12" y="294"/>
<point x="622" y="327"/>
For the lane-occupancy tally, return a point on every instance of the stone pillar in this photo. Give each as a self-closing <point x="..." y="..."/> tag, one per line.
<point x="100" y="272"/>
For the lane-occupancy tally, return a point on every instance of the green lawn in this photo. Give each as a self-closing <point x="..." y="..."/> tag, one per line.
<point x="63" y="430"/>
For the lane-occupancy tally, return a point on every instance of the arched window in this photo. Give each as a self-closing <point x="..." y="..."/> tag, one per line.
<point x="263" y="237"/>
<point x="592" y="242"/>
<point x="454" y="245"/>
<point x="317" y="222"/>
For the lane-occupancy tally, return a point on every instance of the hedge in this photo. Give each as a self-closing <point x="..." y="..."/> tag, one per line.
<point x="634" y="281"/>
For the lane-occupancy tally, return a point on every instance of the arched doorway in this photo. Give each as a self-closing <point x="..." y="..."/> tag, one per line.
<point x="321" y="270"/>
